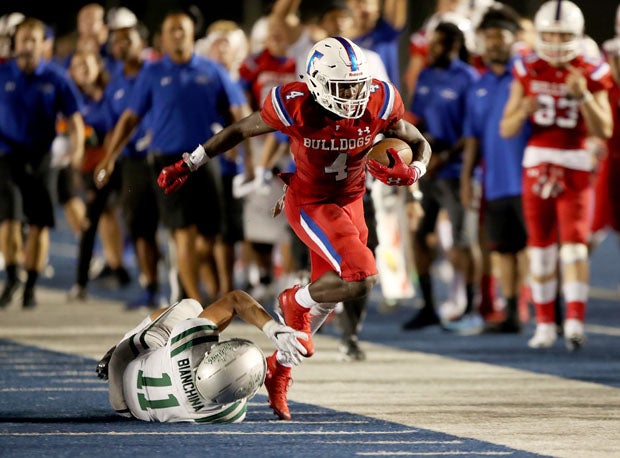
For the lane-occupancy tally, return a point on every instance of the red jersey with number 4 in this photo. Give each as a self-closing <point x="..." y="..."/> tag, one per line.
<point x="558" y="123"/>
<point x="329" y="151"/>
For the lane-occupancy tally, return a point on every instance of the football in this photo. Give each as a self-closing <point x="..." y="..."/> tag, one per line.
<point x="378" y="151"/>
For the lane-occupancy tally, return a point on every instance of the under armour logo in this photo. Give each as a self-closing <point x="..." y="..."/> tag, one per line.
<point x="395" y="181"/>
<point x="366" y="130"/>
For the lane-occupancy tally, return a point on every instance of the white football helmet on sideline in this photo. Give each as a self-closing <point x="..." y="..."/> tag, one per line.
<point x="231" y="370"/>
<point x="559" y="16"/>
<point x="338" y="77"/>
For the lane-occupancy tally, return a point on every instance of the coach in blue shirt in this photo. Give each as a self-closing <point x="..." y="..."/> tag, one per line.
<point x="32" y="93"/>
<point x="501" y="158"/>
<point x="186" y="96"/>
<point x="439" y="105"/>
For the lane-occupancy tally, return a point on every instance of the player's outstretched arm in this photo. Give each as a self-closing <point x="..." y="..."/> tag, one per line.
<point x="240" y="303"/>
<point x="174" y="176"/>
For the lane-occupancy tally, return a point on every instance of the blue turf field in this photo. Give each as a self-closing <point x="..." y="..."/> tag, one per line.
<point x="52" y="404"/>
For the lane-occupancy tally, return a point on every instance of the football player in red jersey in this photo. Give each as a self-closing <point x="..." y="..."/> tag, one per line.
<point x="332" y="119"/>
<point x="564" y="96"/>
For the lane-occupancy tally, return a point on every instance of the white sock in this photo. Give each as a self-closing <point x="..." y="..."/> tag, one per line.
<point x="303" y="298"/>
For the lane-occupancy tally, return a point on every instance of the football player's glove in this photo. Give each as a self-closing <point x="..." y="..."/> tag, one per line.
<point x="400" y="174"/>
<point x="172" y="177"/>
<point x="102" y="365"/>
<point x="286" y="340"/>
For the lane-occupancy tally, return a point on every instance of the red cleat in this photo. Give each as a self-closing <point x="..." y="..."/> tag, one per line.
<point x="296" y="316"/>
<point x="277" y="381"/>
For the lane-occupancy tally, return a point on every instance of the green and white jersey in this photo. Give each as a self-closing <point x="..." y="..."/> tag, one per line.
<point x="159" y="384"/>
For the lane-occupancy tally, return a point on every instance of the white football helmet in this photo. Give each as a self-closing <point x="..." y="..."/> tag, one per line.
<point x="338" y="77"/>
<point x="559" y="16"/>
<point x="231" y="370"/>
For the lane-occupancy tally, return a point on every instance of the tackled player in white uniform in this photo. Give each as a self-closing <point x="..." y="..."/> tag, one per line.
<point x="173" y="367"/>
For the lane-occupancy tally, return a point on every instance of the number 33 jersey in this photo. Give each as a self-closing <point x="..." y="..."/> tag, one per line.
<point x="159" y="385"/>
<point x="329" y="151"/>
<point x="558" y="129"/>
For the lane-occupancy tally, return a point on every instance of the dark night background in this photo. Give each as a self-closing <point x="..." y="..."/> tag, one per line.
<point x="599" y="14"/>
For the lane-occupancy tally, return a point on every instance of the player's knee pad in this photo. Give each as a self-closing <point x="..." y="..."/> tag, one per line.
<point x="573" y="252"/>
<point x="543" y="260"/>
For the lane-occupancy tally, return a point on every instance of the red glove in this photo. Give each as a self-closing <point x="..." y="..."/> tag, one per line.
<point x="400" y="174"/>
<point x="174" y="176"/>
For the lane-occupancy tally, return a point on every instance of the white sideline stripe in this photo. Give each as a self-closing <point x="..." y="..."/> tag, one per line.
<point x="58" y="373"/>
<point x="344" y="442"/>
<point x="604" y="293"/>
<point x="470" y="453"/>
<point x="208" y="433"/>
<point x="25" y="390"/>
<point x="600" y="329"/>
<point x="38" y="367"/>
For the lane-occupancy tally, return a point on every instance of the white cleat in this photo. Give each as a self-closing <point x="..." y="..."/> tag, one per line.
<point x="544" y="336"/>
<point x="574" y="336"/>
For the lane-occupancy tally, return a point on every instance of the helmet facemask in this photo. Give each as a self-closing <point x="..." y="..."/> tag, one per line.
<point x="558" y="52"/>
<point x="563" y="19"/>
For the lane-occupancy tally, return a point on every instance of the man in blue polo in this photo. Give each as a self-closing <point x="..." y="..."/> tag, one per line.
<point x="439" y="105"/>
<point x="138" y="202"/>
<point x="186" y="97"/>
<point x="32" y="94"/>
<point x="501" y="158"/>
